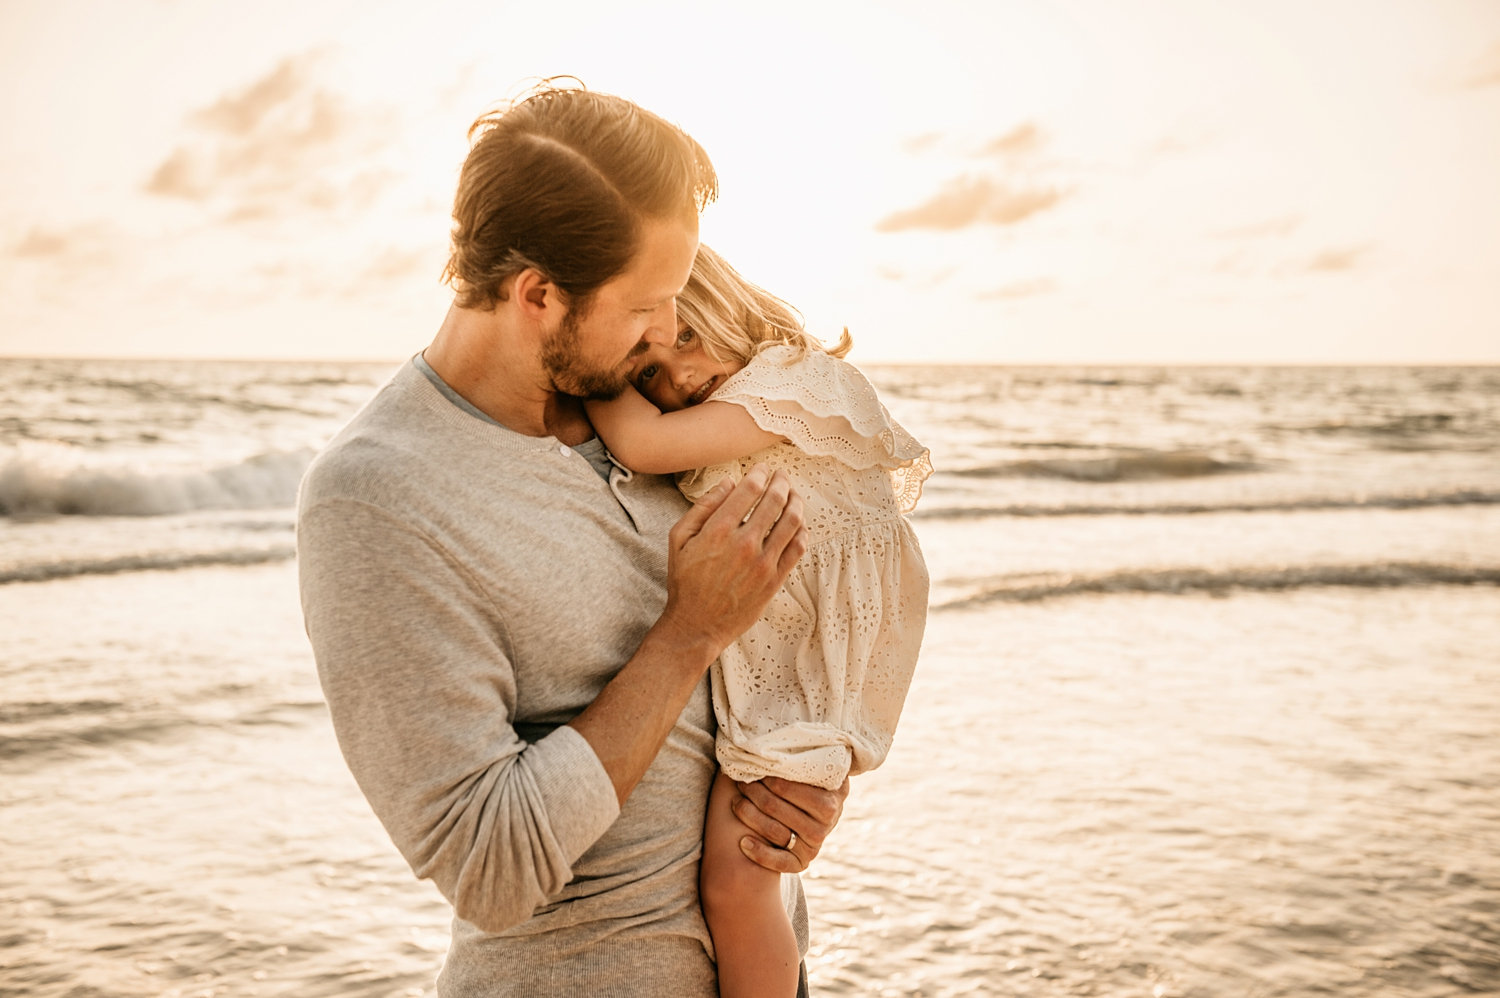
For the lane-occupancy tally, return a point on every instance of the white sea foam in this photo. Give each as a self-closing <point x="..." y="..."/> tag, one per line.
<point x="159" y="561"/>
<point x="1380" y="575"/>
<point x="1116" y="465"/>
<point x="45" y="478"/>
<point x="1154" y="506"/>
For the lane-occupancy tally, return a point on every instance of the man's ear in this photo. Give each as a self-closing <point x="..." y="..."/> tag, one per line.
<point x="535" y="295"/>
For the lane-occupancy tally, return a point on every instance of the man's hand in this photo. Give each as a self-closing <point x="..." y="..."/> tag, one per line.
<point x="774" y="809"/>
<point x="728" y="556"/>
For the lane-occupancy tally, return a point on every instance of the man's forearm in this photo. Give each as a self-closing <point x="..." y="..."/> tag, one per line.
<point x="629" y="721"/>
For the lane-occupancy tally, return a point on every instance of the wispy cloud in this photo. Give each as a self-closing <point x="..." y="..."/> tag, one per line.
<point x="1485" y="71"/>
<point x="1019" y="289"/>
<point x="396" y="266"/>
<point x="1184" y="139"/>
<point x="967" y="201"/>
<point x="1283" y="225"/>
<point x="243" y="113"/>
<point x="41" y="242"/>
<point x="283" y="144"/>
<point x="1024" y="138"/>
<point x="921" y="143"/>
<point x="91" y="243"/>
<point x="928" y="278"/>
<point x="392" y="269"/>
<point x="1337" y="259"/>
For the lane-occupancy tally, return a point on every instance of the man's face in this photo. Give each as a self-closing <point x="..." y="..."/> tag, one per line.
<point x="591" y="353"/>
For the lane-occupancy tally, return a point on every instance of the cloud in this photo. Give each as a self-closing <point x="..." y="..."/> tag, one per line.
<point x="1337" y="259"/>
<point x="397" y="267"/>
<point x="966" y="201"/>
<point x="242" y="113"/>
<point x="92" y="243"/>
<point x="1185" y="140"/>
<point x="1234" y="264"/>
<point x="280" y="146"/>
<point x="389" y="272"/>
<point x="1486" y="70"/>
<point x="921" y="278"/>
<point x="921" y="143"/>
<point x="1019" y="289"/>
<point x="40" y="242"/>
<point x="1024" y="138"/>
<point x="1280" y="226"/>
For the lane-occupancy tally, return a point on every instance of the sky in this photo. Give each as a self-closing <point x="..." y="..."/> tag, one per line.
<point x="1005" y="181"/>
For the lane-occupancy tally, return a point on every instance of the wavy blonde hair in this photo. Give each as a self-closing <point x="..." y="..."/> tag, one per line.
<point x="735" y="319"/>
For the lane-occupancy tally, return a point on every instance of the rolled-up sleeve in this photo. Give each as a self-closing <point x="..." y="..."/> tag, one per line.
<point x="422" y="693"/>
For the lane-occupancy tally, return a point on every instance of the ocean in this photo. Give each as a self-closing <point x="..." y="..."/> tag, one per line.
<point x="1207" y="704"/>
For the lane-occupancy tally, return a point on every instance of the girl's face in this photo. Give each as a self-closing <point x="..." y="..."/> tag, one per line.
<point x="683" y="374"/>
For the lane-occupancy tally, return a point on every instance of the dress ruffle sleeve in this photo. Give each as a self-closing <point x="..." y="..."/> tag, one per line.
<point x="824" y="406"/>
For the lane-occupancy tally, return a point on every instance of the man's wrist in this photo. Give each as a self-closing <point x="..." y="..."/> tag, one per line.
<point x="687" y="648"/>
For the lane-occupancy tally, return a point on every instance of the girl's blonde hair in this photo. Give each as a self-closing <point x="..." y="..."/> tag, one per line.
<point x="735" y="320"/>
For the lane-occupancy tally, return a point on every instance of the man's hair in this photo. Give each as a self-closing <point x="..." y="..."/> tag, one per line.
<point x="735" y="319"/>
<point x="561" y="180"/>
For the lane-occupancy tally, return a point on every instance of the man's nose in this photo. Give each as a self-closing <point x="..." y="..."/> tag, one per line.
<point x="663" y="328"/>
<point x="667" y="317"/>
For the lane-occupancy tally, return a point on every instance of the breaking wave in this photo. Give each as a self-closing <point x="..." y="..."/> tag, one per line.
<point x="1121" y="466"/>
<point x="165" y="561"/>
<point x="55" y="480"/>
<point x="1460" y="497"/>
<point x="1031" y="588"/>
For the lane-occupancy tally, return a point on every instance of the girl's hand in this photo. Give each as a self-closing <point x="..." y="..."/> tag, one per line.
<point x="774" y="809"/>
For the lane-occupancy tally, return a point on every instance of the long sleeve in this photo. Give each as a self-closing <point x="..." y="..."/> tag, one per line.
<point x="420" y="685"/>
<point x="468" y="591"/>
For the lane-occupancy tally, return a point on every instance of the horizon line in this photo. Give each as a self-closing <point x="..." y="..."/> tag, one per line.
<point x="934" y="362"/>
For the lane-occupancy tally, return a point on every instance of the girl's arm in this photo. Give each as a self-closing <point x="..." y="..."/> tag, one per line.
<point x="648" y="440"/>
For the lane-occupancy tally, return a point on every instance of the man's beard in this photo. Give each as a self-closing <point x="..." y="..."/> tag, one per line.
<point x="562" y="357"/>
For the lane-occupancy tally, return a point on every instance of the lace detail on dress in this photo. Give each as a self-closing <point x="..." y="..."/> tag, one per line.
<point x="814" y="688"/>
<point x="825" y="406"/>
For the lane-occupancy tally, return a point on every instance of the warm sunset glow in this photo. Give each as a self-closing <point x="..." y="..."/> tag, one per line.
<point x="1081" y="181"/>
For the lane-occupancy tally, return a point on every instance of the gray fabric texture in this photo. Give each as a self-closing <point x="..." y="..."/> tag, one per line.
<point x="467" y="590"/>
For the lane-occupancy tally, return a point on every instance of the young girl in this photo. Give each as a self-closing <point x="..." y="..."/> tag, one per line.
<point x="812" y="692"/>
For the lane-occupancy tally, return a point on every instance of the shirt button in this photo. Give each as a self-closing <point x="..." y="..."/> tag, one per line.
<point x="564" y="450"/>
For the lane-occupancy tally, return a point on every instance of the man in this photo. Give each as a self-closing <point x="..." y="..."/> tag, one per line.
<point x="512" y="632"/>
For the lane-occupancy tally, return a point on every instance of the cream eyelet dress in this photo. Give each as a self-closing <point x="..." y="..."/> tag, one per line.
<point x="813" y="690"/>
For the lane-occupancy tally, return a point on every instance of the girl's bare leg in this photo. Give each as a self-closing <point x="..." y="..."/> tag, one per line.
<point x="753" y="939"/>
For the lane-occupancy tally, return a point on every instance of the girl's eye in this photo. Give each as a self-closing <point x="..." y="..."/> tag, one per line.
<point x="684" y="337"/>
<point x="647" y="373"/>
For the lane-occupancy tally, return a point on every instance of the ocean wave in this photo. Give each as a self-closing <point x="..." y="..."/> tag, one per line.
<point x="1461" y="497"/>
<point x="1122" y="466"/>
<point x="1401" y="424"/>
<point x="49" y="480"/>
<point x="166" y="561"/>
<point x="15" y="747"/>
<point x="64" y="729"/>
<point x="1033" y="587"/>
